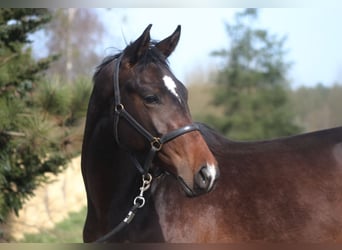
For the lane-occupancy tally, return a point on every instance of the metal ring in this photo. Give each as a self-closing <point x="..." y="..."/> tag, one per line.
<point x="119" y="107"/>
<point x="140" y="200"/>
<point x="156" y="144"/>
<point x="147" y="178"/>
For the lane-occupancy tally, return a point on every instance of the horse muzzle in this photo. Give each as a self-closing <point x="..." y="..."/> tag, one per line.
<point x="203" y="182"/>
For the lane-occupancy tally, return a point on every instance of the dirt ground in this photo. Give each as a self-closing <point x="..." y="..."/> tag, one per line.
<point x="51" y="204"/>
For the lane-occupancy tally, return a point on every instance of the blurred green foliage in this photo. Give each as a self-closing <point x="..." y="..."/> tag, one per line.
<point x="66" y="231"/>
<point x="41" y="122"/>
<point x="314" y="108"/>
<point x="318" y="107"/>
<point x="251" y="87"/>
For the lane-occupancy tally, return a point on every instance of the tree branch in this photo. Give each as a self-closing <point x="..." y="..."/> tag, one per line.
<point x="13" y="133"/>
<point x="6" y="59"/>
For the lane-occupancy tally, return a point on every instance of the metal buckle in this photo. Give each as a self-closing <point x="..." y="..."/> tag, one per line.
<point x="156" y="144"/>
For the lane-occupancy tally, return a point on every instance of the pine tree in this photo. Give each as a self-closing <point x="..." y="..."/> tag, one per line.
<point x="31" y="144"/>
<point x="252" y="85"/>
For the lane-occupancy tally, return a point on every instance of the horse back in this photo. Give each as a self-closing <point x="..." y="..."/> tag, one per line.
<point x="287" y="190"/>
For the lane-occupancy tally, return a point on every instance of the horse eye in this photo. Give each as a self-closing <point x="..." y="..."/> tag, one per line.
<point x="151" y="99"/>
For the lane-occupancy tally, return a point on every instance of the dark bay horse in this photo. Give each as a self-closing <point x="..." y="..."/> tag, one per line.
<point x="282" y="190"/>
<point x="138" y="127"/>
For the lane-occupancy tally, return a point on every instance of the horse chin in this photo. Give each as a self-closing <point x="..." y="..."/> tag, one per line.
<point x="187" y="190"/>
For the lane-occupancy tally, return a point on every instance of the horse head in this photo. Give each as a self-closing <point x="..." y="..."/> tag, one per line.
<point x="151" y="114"/>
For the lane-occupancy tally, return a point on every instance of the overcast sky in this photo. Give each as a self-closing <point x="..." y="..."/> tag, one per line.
<point x="314" y="37"/>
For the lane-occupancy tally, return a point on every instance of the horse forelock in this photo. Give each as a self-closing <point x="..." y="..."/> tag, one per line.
<point x="152" y="55"/>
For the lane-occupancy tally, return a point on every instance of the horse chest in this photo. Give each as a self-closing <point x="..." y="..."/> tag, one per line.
<point x="180" y="223"/>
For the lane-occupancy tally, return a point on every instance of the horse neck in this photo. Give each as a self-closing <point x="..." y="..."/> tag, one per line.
<point x="124" y="178"/>
<point x="105" y="165"/>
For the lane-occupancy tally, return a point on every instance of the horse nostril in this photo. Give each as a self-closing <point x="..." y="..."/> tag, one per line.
<point x="203" y="178"/>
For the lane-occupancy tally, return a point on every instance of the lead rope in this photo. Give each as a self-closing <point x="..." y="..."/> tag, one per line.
<point x="139" y="202"/>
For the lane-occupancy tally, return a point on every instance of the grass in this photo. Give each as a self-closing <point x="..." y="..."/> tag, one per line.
<point x="67" y="231"/>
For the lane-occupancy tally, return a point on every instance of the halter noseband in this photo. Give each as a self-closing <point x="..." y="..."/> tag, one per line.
<point x="155" y="142"/>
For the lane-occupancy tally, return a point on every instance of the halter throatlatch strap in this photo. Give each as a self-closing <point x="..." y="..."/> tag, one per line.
<point x="118" y="107"/>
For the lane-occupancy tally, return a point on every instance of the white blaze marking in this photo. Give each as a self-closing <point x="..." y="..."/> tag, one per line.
<point x="213" y="174"/>
<point x="171" y="85"/>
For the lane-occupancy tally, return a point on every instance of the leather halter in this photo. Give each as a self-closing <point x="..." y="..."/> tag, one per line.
<point x="155" y="142"/>
<point x="156" y="145"/>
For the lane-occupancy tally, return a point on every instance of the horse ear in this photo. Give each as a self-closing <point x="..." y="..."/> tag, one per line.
<point x="168" y="45"/>
<point x="134" y="51"/>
